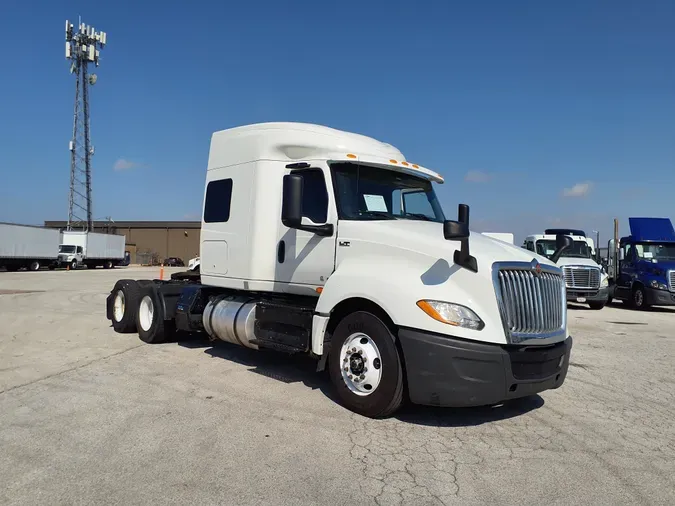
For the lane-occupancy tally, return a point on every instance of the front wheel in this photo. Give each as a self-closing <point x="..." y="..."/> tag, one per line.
<point x="638" y="300"/>
<point x="365" y="366"/>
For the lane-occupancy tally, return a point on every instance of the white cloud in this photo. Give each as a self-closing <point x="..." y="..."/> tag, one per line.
<point x="578" y="190"/>
<point x="477" y="176"/>
<point x="124" y="164"/>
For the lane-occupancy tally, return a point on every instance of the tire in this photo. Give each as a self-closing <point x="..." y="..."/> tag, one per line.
<point x="150" y="323"/>
<point x="372" y="338"/>
<point x="108" y="264"/>
<point x="34" y="265"/>
<point x="596" y="305"/>
<point x="73" y="265"/>
<point x="127" y="295"/>
<point x="638" y="299"/>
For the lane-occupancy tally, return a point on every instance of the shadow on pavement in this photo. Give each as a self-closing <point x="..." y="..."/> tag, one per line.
<point x="293" y="369"/>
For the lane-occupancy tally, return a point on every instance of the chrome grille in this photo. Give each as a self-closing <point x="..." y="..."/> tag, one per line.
<point x="671" y="281"/>
<point x="581" y="277"/>
<point x="532" y="305"/>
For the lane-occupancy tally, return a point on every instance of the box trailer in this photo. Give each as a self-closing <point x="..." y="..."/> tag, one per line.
<point x="91" y="249"/>
<point x="26" y="246"/>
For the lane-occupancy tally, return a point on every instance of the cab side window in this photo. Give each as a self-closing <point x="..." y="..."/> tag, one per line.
<point x="529" y="245"/>
<point x="314" y="195"/>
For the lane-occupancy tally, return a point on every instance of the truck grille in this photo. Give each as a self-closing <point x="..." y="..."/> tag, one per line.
<point x="532" y="304"/>
<point x="579" y="277"/>
<point x="671" y="281"/>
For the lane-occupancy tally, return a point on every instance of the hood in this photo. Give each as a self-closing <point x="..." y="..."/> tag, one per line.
<point x="661" y="265"/>
<point x="589" y="262"/>
<point x="426" y="238"/>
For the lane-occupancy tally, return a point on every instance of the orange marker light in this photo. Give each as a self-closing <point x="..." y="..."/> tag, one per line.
<point x="416" y="166"/>
<point x="349" y="155"/>
<point x="319" y="289"/>
<point x="393" y="161"/>
<point x="405" y="163"/>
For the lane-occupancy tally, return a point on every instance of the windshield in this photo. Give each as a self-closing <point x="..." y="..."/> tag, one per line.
<point x="364" y="192"/>
<point x="65" y="248"/>
<point x="579" y="249"/>
<point x="655" y="251"/>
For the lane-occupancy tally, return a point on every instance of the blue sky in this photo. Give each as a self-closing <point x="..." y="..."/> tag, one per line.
<point x="537" y="113"/>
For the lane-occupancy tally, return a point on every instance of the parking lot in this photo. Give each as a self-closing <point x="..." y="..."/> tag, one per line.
<point x="90" y="416"/>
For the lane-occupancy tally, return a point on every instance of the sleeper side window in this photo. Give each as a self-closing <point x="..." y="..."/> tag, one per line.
<point x="218" y="201"/>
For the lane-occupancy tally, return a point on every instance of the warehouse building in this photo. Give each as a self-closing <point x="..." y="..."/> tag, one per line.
<point x="150" y="242"/>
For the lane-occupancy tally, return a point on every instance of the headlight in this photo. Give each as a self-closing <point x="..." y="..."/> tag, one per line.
<point x="658" y="285"/>
<point x="452" y="314"/>
<point x="604" y="282"/>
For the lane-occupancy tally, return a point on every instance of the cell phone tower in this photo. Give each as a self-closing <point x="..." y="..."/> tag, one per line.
<point x="81" y="49"/>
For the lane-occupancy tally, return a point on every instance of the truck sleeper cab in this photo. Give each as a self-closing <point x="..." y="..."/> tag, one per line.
<point x="332" y="244"/>
<point x="585" y="280"/>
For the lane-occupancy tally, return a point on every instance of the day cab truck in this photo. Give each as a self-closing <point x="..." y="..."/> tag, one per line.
<point x="93" y="249"/>
<point x="586" y="281"/>
<point x="328" y="243"/>
<point x="642" y="265"/>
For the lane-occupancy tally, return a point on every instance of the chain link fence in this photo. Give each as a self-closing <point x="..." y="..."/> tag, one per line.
<point x="147" y="257"/>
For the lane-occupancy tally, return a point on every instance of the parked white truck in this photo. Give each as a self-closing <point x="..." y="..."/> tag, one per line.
<point x="92" y="249"/>
<point x="586" y="281"/>
<point x="332" y="244"/>
<point x="26" y="246"/>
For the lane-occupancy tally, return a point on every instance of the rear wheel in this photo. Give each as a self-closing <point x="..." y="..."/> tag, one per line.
<point x="34" y="266"/>
<point x="152" y="328"/>
<point x="127" y="294"/>
<point x="365" y="366"/>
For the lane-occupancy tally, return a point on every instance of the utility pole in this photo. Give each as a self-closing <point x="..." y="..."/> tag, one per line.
<point x="81" y="49"/>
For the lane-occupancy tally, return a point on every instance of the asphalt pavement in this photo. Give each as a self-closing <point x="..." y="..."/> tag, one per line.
<point x="88" y="416"/>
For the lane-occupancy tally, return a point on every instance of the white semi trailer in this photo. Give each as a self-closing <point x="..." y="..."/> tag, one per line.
<point x="26" y="246"/>
<point x="332" y="244"/>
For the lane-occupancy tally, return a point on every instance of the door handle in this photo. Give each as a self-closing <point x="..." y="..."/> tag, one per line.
<point x="281" y="252"/>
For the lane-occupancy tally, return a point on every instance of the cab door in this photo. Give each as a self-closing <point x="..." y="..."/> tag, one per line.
<point x="305" y="259"/>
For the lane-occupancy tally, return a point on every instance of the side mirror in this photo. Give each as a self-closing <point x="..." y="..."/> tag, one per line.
<point x="621" y="255"/>
<point x="291" y="207"/>
<point x="455" y="230"/>
<point x="562" y="242"/>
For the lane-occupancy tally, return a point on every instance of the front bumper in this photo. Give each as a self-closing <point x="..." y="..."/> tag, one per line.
<point x="601" y="295"/>
<point x="451" y="372"/>
<point x="655" y="297"/>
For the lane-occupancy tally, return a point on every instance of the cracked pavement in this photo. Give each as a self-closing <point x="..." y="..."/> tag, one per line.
<point x="90" y="416"/>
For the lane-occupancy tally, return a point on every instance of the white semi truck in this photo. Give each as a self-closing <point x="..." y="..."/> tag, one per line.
<point x="26" y="246"/>
<point x="586" y="280"/>
<point x="92" y="249"/>
<point x="332" y="244"/>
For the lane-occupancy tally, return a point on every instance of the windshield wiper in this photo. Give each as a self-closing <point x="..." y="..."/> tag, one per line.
<point x="378" y="214"/>
<point x="419" y="216"/>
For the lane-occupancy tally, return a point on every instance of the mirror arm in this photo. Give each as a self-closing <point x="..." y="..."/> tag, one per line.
<point x="325" y="230"/>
